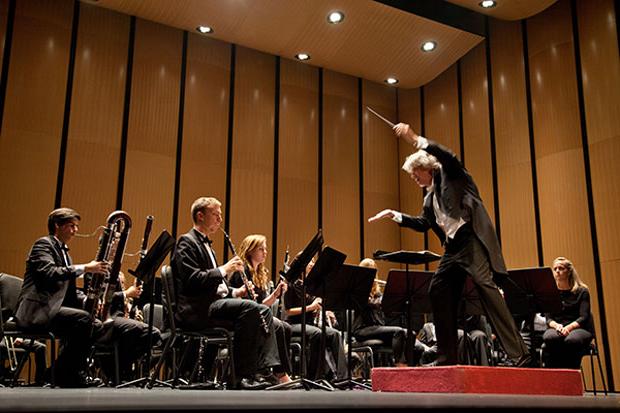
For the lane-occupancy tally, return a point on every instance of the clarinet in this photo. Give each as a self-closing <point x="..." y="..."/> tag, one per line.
<point x="244" y="277"/>
<point x="133" y="312"/>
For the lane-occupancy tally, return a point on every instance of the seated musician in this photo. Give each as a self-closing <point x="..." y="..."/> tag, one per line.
<point x="131" y="335"/>
<point x="253" y="252"/>
<point x="335" y="360"/>
<point x="49" y="300"/>
<point x="370" y="324"/>
<point x="204" y="298"/>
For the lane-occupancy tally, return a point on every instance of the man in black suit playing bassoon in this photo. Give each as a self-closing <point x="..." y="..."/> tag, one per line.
<point x="49" y="300"/>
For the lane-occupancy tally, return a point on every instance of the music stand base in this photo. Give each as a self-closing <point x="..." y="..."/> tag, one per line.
<point x="145" y="382"/>
<point x="307" y="384"/>
<point x="351" y="384"/>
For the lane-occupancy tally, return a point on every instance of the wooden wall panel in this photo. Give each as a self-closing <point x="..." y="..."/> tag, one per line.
<point x="32" y="125"/>
<point x="90" y="180"/>
<point x="381" y="171"/>
<point x="341" y="206"/>
<point x="601" y="83"/>
<point x="565" y="224"/>
<point x="512" y="145"/>
<point x="476" y="128"/>
<point x="297" y="158"/>
<point x="205" y="127"/>
<point x="441" y="112"/>
<point x="253" y="136"/>
<point x="152" y="133"/>
<point x="4" y="11"/>
<point x="409" y="111"/>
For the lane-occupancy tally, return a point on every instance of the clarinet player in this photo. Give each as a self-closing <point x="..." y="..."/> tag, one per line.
<point x="205" y="299"/>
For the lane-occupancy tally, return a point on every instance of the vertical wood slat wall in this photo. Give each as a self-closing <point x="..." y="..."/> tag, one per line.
<point x="597" y="29"/>
<point x="34" y="103"/>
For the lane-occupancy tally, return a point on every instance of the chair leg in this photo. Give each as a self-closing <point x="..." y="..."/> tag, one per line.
<point x="592" y="372"/>
<point x="231" y="359"/>
<point x="600" y="369"/>
<point x="53" y="360"/>
<point x="117" y="374"/>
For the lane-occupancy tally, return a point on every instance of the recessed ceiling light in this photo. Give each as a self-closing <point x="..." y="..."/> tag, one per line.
<point x="429" y="46"/>
<point x="391" y="81"/>
<point x="302" y="56"/>
<point x="487" y="4"/>
<point x="204" y="29"/>
<point x="335" y="17"/>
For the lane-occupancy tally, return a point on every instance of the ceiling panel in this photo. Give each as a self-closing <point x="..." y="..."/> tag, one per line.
<point x="373" y="42"/>
<point x="507" y="9"/>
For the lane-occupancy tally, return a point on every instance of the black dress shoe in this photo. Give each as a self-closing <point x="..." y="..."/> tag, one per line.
<point x="270" y="379"/>
<point x="523" y="361"/>
<point x="440" y="361"/>
<point x="251" y="384"/>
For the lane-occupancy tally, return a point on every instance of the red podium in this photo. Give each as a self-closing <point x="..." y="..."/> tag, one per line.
<point x="477" y="379"/>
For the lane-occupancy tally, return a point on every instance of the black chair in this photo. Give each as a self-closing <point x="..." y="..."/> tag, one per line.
<point x="100" y="353"/>
<point x="592" y="351"/>
<point x="10" y="287"/>
<point x="218" y="336"/>
<point x="159" y="323"/>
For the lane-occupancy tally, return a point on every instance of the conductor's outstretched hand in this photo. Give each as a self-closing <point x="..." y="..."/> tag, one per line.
<point x="386" y="213"/>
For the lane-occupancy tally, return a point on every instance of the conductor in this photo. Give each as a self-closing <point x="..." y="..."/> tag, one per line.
<point x="453" y="209"/>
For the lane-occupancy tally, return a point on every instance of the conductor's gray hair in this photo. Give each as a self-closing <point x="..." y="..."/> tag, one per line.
<point x="420" y="159"/>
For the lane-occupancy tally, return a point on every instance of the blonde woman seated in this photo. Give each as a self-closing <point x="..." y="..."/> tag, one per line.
<point x="253" y="252"/>
<point x="569" y="331"/>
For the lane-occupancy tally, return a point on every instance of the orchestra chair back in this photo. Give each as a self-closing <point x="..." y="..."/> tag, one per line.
<point x="10" y="287"/>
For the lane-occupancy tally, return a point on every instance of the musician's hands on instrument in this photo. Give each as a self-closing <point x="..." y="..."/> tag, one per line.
<point x="316" y="305"/>
<point x="405" y="131"/>
<point x="242" y="291"/>
<point x="331" y="317"/>
<point x="235" y="264"/>
<point x="97" y="267"/>
<point x="386" y="213"/>
<point x="281" y="288"/>
<point x="133" y="292"/>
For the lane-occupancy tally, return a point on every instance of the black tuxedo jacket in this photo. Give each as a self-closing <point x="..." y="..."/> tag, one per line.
<point x="458" y="197"/>
<point x="196" y="279"/>
<point x="48" y="284"/>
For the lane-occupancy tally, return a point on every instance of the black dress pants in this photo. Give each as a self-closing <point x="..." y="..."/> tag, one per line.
<point x="465" y="255"/>
<point x="254" y="349"/>
<point x="74" y="327"/>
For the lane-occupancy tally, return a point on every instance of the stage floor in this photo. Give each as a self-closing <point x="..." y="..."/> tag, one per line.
<point x="169" y="400"/>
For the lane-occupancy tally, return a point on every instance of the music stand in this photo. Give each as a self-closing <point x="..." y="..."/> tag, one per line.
<point x="329" y="262"/>
<point x="531" y="290"/>
<point x="349" y="289"/>
<point x="415" y="294"/>
<point x="145" y="271"/>
<point x="296" y="271"/>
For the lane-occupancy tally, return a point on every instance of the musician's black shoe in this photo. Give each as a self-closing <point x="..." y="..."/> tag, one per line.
<point x="523" y="361"/>
<point x="269" y="378"/>
<point x="81" y="383"/>
<point x="209" y="385"/>
<point x="439" y="361"/>
<point x="251" y="384"/>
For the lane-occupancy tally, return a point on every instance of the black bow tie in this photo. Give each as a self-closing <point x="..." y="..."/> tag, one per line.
<point x="205" y="239"/>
